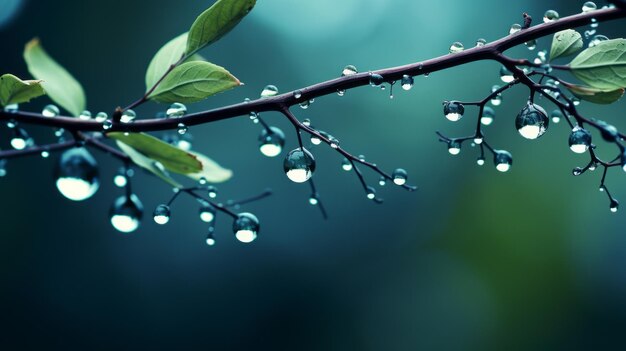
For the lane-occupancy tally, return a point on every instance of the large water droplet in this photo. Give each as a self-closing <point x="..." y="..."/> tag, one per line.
<point x="126" y="213"/>
<point x="101" y="117"/>
<point x="271" y="141"/>
<point x="85" y="115"/>
<point x="176" y="110"/>
<point x="269" y="91"/>
<point x="399" y="176"/>
<point x="299" y="165"/>
<point x="487" y="116"/>
<point x="161" y="214"/>
<point x="456" y="47"/>
<point x="532" y="121"/>
<point x="515" y="28"/>
<point x="550" y="16"/>
<point x="407" y="82"/>
<point x="503" y="160"/>
<point x="589" y="6"/>
<point x="349" y="70"/>
<point x="50" y="111"/>
<point x="579" y="140"/>
<point x="128" y="116"/>
<point x="453" y="110"/>
<point x="76" y="174"/>
<point x="246" y="227"/>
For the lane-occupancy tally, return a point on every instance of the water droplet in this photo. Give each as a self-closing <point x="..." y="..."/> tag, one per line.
<point x="589" y="6"/>
<point x="50" y="111"/>
<point x="376" y="79"/>
<point x="577" y="171"/>
<point x="550" y="16"/>
<point x="271" y="141"/>
<point x="120" y="179"/>
<point x="579" y="140"/>
<point x="334" y="142"/>
<point x="407" y="82"/>
<point x="556" y="116"/>
<point x="76" y="174"/>
<point x="161" y="214"/>
<point x="597" y="39"/>
<point x="101" y="117"/>
<point x="454" y="147"/>
<point x="254" y="116"/>
<point x="313" y="200"/>
<point x="515" y="28"/>
<point x="453" y="110"/>
<point x="456" y="47"/>
<point x="370" y="193"/>
<point x="176" y="110"/>
<point x="210" y="240"/>
<point x="506" y="75"/>
<point x="399" y="176"/>
<point x="614" y="205"/>
<point x="480" y="42"/>
<point x="212" y="191"/>
<point x="531" y="44"/>
<point x="341" y="92"/>
<point x="297" y="94"/>
<point x="11" y="108"/>
<point x="126" y="213"/>
<point x="496" y="100"/>
<point x="246" y="227"/>
<point x="478" y="140"/>
<point x="299" y="165"/>
<point x="594" y="23"/>
<point x="3" y="169"/>
<point x="128" y="116"/>
<point x="85" y="115"/>
<point x="20" y="139"/>
<point x="503" y="160"/>
<point x="593" y="166"/>
<point x="532" y="121"/>
<point x="487" y="116"/>
<point x="346" y="165"/>
<point x="306" y="122"/>
<point x="181" y="128"/>
<point x="207" y="212"/>
<point x="480" y="161"/>
<point x="108" y="124"/>
<point x="305" y="104"/>
<point x="349" y="70"/>
<point x="45" y="154"/>
<point x="269" y="91"/>
<point x="315" y="140"/>
<point x="382" y="181"/>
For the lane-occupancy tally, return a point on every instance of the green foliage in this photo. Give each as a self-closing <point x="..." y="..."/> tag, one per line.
<point x="595" y="95"/>
<point x="193" y="82"/>
<point x="215" y="22"/>
<point x="565" y="43"/>
<point x="602" y="66"/>
<point x="211" y="170"/>
<point x="149" y="164"/>
<point x="15" y="91"/>
<point x="58" y="82"/>
<point x="170" y="54"/>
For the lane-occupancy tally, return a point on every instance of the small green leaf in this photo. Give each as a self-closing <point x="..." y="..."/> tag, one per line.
<point x="172" y="158"/>
<point x="168" y="55"/>
<point x="193" y="82"/>
<point x="565" y="43"/>
<point x="595" y="95"/>
<point x="58" y="83"/>
<point x="215" y="22"/>
<point x="211" y="170"/>
<point x="15" y="91"/>
<point x="602" y="66"/>
<point x="147" y="163"/>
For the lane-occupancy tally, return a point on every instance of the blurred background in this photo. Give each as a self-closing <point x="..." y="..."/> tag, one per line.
<point x="474" y="260"/>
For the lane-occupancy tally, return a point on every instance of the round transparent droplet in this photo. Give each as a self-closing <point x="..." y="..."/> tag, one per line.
<point x="478" y="140"/>
<point x="382" y="181"/>
<point x="505" y="75"/>
<point x="503" y="160"/>
<point x="614" y="205"/>
<point x="269" y="91"/>
<point x="128" y="116"/>
<point x="399" y="176"/>
<point x="305" y="104"/>
<point x="480" y="161"/>
<point x="313" y="200"/>
<point x="207" y="213"/>
<point x="3" y="167"/>
<point x="210" y="240"/>
<point x="101" y="117"/>
<point x="299" y="165"/>
<point x="108" y="124"/>
<point x="589" y="6"/>
<point x="407" y="82"/>
<point x="20" y="139"/>
<point x="346" y="165"/>
<point x="297" y="94"/>
<point x="487" y="116"/>
<point x="453" y="110"/>
<point x="181" y="128"/>
<point x="515" y="28"/>
<point x="550" y="16"/>
<point x="212" y="191"/>
<point x="532" y="121"/>
<point x="370" y="192"/>
<point x="85" y="115"/>
<point x="306" y="122"/>
<point x="531" y="44"/>
<point x="341" y="92"/>
<point x="456" y="47"/>
<point x="76" y="174"/>
<point x="50" y="111"/>
<point x="481" y="42"/>
<point x="454" y="147"/>
<point x="246" y="227"/>
<point x="594" y="23"/>
<point x="579" y="140"/>
<point x="376" y="79"/>
<point x="126" y="213"/>
<point x="556" y="116"/>
<point x="161" y="214"/>
<point x="176" y="110"/>
<point x="271" y="141"/>
<point x="349" y="70"/>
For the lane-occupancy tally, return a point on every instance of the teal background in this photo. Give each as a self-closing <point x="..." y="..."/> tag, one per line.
<point x="474" y="260"/>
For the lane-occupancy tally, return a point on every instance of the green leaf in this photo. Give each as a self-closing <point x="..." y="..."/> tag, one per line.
<point x="147" y="163"/>
<point x="602" y="66"/>
<point x="595" y="95"/>
<point x="168" y="55"/>
<point x="211" y="170"/>
<point x="15" y="91"/>
<point x="565" y="43"/>
<point x="58" y="83"/>
<point x="172" y="158"/>
<point x="215" y="22"/>
<point x="193" y="82"/>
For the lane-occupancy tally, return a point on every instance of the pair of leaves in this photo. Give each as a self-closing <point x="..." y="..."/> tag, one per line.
<point x="16" y="91"/>
<point x="188" y="78"/>
<point x="159" y="157"/>
<point x="58" y="83"/>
